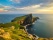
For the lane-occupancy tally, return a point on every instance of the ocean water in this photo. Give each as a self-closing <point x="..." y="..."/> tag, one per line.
<point x="5" y="18"/>
<point x="43" y="27"/>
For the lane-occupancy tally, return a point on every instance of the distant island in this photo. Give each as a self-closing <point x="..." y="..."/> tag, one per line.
<point x="15" y="30"/>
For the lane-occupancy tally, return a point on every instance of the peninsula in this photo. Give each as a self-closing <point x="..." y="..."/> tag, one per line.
<point x="15" y="30"/>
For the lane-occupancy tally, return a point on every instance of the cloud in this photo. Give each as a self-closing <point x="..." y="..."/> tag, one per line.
<point x="24" y="3"/>
<point x="22" y="9"/>
<point x="46" y="9"/>
<point x="4" y="8"/>
<point x="1" y="10"/>
<point x="38" y="8"/>
<point x="16" y="1"/>
<point x="7" y="7"/>
<point x="30" y="7"/>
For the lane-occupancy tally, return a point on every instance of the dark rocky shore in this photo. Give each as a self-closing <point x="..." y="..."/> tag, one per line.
<point x="27" y="21"/>
<point x="16" y="29"/>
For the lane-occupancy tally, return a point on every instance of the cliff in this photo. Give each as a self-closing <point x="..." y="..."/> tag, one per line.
<point x="14" y="30"/>
<point x="24" y="20"/>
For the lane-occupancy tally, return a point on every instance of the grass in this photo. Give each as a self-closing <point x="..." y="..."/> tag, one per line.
<point x="13" y="31"/>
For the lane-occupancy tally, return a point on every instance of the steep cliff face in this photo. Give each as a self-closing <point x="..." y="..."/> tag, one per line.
<point x="24" y="20"/>
<point x="28" y="19"/>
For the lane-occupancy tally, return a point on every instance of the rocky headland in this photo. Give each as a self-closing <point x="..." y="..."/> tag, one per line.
<point x="26" y="21"/>
<point x="16" y="29"/>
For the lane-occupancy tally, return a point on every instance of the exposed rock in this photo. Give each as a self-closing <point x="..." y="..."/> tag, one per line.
<point x="30" y="36"/>
<point x="27" y="19"/>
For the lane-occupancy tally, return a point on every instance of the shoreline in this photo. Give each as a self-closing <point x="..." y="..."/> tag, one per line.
<point x="35" y="37"/>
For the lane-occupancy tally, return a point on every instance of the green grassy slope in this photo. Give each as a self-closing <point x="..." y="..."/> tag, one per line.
<point x="13" y="31"/>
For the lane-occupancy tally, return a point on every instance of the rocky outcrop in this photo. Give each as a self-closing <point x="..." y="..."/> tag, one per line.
<point x="27" y="19"/>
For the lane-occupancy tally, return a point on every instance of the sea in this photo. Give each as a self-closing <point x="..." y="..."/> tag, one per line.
<point x="43" y="27"/>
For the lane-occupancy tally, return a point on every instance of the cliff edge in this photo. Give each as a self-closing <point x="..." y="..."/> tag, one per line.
<point x="24" y="20"/>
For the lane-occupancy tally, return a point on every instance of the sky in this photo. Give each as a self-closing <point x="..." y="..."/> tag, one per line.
<point x="26" y="6"/>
